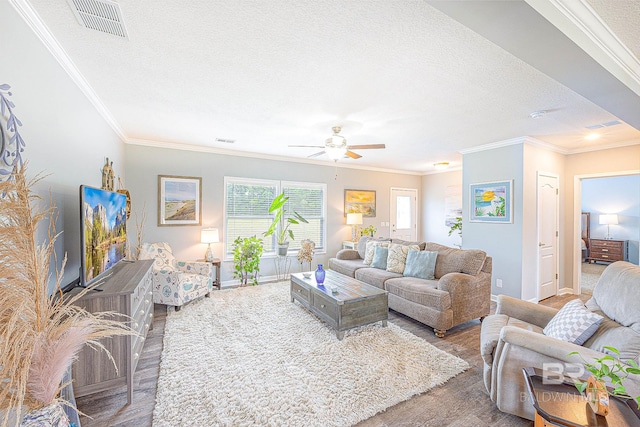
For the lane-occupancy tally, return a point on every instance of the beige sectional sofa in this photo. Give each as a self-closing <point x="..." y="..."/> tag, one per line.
<point x="460" y="290"/>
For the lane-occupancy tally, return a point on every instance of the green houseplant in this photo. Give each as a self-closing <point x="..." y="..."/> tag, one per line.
<point x="280" y="225"/>
<point x="456" y="227"/>
<point x="603" y="368"/>
<point x="246" y="259"/>
<point x="369" y="231"/>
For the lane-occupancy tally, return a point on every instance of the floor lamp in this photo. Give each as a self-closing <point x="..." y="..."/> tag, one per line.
<point x="608" y="219"/>
<point x="354" y="220"/>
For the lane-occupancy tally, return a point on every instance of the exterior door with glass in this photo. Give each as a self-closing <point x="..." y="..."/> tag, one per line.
<point x="404" y="214"/>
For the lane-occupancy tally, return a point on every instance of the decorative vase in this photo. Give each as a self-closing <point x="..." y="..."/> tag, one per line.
<point x="597" y="396"/>
<point x="48" y="416"/>
<point x="320" y="275"/>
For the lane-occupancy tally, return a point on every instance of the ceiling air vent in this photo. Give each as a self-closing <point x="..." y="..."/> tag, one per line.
<point x="100" y="15"/>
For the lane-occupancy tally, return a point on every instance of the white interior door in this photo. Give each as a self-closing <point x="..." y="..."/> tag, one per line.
<point x="547" y="236"/>
<point x="404" y="213"/>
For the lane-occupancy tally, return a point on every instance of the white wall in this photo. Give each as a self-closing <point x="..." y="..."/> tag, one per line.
<point x="65" y="136"/>
<point x="434" y="193"/>
<point x="144" y="164"/>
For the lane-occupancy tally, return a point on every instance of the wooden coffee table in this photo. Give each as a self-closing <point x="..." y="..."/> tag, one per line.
<point x="354" y="304"/>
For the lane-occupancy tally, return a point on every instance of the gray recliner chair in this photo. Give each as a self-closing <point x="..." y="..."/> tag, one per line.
<point x="512" y="338"/>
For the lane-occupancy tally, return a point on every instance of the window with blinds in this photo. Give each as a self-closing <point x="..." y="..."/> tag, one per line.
<point x="247" y="214"/>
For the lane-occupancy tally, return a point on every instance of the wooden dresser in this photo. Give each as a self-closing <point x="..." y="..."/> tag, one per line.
<point x="128" y="291"/>
<point x="607" y="250"/>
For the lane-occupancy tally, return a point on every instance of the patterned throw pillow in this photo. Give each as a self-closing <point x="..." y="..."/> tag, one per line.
<point x="398" y="257"/>
<point x="380" y="257"/>
<point x="573" y="323"/>
<point x="421" y="264"/>
<point x="371" y="247"/>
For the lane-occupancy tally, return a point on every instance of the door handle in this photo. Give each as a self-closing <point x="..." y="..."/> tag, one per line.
<point x="540" y="244"/>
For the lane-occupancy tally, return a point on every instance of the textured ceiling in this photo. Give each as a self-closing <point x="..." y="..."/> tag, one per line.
<point x="272" y="73"/>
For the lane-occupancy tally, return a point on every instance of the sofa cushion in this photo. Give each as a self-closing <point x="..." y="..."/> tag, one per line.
<point x="422" y="245"/>
<point x="371" y="247"/>
<point x="347" y="267"/>
<point x="375" y="276"/>
<point x="420" y="291"/>
<point x="380" y="257"/>
<point x="398" y="257"/>
<point x="617" y="294"/>
<point x="421" y="264"/>
<point x="452" y="260"/>
<point x="573" y="323"/>
<point x="362" y="245"/>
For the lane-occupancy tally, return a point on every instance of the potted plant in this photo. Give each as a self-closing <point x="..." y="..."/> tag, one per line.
<point x="280" y="225"/>
<point x="602" y="368"/>
<point x="456" y="227"/>
<point x="369" y="231"/>
<point x="246" y="259"/>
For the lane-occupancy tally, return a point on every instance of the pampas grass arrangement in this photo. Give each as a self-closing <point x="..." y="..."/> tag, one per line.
<point x="40" y="334"/>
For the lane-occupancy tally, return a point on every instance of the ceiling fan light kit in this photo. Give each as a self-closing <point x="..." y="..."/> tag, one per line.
<point x="336" y="147"/>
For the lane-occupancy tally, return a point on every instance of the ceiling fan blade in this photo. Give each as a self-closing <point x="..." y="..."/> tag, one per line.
<point x="352" y="155"/>
<point x="366" y="147"/>
<point x="317" y="154"/>
<point x="312" y="146"/>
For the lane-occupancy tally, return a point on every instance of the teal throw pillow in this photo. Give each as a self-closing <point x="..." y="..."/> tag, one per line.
<point x="380" y="257"/>
<point x="421" y="264"/>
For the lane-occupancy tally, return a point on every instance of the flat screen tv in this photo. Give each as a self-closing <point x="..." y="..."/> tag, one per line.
<point x="103" y="232"/>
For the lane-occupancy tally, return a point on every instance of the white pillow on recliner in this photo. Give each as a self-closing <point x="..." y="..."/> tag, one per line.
<point x="573" y="323"/>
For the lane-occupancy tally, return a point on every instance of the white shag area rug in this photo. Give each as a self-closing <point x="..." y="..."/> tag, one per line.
<point x="249" y="356"/>
<point x="590" y="274"/>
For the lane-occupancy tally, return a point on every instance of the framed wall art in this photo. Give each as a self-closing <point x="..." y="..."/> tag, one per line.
<point x="179" y="200"/>
<point x="360" y="201"/>
<point x="491" y="202"/>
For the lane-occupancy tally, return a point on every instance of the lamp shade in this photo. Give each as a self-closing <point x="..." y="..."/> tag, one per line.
<point x="608" y="219"/>
<point x="354" y="218"/>
<point x="209" y="235"/>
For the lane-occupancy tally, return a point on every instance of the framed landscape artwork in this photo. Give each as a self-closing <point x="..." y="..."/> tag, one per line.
<point x="491" y="202"/>
<point x="179" y="200"/>
<point x="360" y="201"/>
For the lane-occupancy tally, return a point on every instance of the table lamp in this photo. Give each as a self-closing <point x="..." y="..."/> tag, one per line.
<point x="209" y="236"/>
<point x="608" y="219"/>
<point x="354" y="220"/>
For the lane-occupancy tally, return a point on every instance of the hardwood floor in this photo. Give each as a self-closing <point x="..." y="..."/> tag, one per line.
<point x="461" y="402"/>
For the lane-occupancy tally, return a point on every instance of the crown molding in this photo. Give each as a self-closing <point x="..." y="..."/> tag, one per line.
<point x="605" y="147"/>
<point x="33" y="20"/>
<point x="237" y="153"/>
<point x="578" y="20"/>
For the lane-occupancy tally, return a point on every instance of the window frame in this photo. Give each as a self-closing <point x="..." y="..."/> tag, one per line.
<point x="279" y="185"/>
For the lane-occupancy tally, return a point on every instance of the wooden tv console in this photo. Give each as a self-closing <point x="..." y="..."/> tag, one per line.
<point x="127" y="291"/>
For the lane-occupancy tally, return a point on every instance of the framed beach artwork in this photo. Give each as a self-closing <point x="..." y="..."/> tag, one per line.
<point x="491" y="202"/>
<point x="360" y="201"/>
<point x="179" y="200"/>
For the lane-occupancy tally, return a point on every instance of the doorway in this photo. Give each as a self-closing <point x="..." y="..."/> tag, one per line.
<point x="404" y="214"/>
<point x="596" y="230"/>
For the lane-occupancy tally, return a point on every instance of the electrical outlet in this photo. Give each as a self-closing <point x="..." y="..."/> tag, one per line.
<point x="498" y="283"/>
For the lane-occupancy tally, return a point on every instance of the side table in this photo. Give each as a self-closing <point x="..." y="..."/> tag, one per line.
<point x="216" y="263"/>
<point x="557" y="402"/>
<point x="348" y="244"/>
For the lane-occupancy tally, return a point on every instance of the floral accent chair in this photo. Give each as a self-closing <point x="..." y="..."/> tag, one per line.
<point x="176" y="282"/>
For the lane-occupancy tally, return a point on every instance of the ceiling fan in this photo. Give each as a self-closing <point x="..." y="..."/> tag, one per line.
<point x="336" y="146"/>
